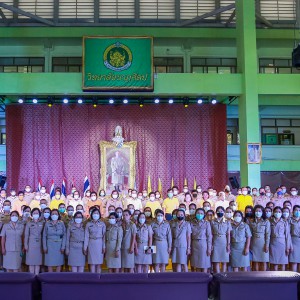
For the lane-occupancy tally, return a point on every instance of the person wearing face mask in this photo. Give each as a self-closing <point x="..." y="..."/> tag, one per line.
<point x="56" y="201"/>
<point x="169" y="205"/>
<point x="144" y="234"/>
<point x="94" y="201"/>
<point x="28" y="195"/>
<point x="75" y="200"/>
<point x="220" y="228"/>
<point x="162" y="239"/>
<point x="119" y="212"/>
<point x="181" y="195"/>
<point x="278" y="198"/>
<point x="11" y="243"/>
<point x="128" y="243"/>
<point x="240" y="237"/>
<point x="187" y="201"/>
<point x="222" y="201"/>
<point x="181" y="242"/>
<point x="233" y="205"/>
<point x="268" y="212"/>
<point x="113" y="239"/>
<point x="13" y="196"/>
<point x="286" y="214"/>
<point x="201" y="245"/>
<point x="18" y="203"/>
<point x="35" y="203"/>
<point x="294" y="257"/>
<point x="153" y="203"/>
<point x="74" y="244"/>
<point x="212" y="195"/>
<point x="114" y="200"/>
<point x="33" y="242"/>
<point x="130" y="207"/>
<point x="205" y="199"/>
<point x="261" y="198"/>
<point x="144" y="198"/>
<point x="26" y="215"/>
<point x="228" y="214"/>
<point x="260" y="241"/>
<point x="294" y="198"/>
<point x="5" y="217"/>
<point x="43" y="204"/>
<point x="148" y="214"/>
<point x="128" y="196"/>
<point x="199" y="192"/>
<point x="68" y="218"/>
<point x="244" y="199"/>
<point x="268" y="192"/>
<point x="134" y="200"/>
<point x="71" y="195"/>
<point x="228" y="195"/>
<point x="87" y="197"/>
<point x="135" y="216"/>
<point x="46" y="214"/>
<point x="283" y="189"/>
<point x="280" y="241"/>
<point x="192" y="212"/>
<point x="175" y="191"/>
<point x="45" y="195"/>
<point x="54" y="242"/>
<point x="94" y="242"/>
<point x="158" y="197"/>
<point x="249" y="214"/>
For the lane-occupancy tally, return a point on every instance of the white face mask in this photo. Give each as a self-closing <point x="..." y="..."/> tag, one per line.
<point x="6" y="208"/>
<point x="285" y="214"/>
<point x="13" y="194"/>
<point x="140" y="197"/>
<point x="37" y="197"/>
<point x="70" y="213"/>
<point x="76" y="197"/>
<point x="142" y="221"/>
<point x="152" y="198"/>
<point x="228" y="215"/>
<point x="147" y="213"/>
<point x="268" y="194"/>
<point x="144" y="195"/>
<point x="110" y="211"/>
<point x="245" y="193"/>
<point x="80" y="210"/>
<point x="46" y="215"/>
<point x="159" y="219"/>
<point x="134" y="195"/>
<point x="294" y="193"/>
<point x="57" y="197"/>
<point x="115" y="196"/>
<point x="96" y="217"/>
<point x="14" y="219"/>
<point x="102" y="194"/>
<point x="175" y="192"/>
<point x="112" y="221"/>
<point x="93" y="198"/>
<point x="27" y="190"/>
<point x="157" y="196"/>
<point x="237" y="219"/>
<point x="54" y="217"/>
<point x="43" y="191"/>
<point x="131" y="211"/>
<point x="78" y="220"/>
<point x="26" y="214"/>
<point x="185" y="190"/>
<point x="88" y="194"/>
<point x="199" y="190"/>
<point x="35" y="216"/>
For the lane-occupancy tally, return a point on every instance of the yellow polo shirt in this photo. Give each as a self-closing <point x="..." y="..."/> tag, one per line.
<point x="154" y="205"/>
<point x="170" y="204"/>
<point x="242" y="201"/>
<point x="55" y="203"/>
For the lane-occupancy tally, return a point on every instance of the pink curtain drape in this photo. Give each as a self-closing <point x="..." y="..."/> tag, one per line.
<point x="63" y="141"/>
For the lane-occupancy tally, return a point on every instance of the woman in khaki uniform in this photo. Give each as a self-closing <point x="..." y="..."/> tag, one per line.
<point x="33" y="242"/>
<point x="220" y="228"/>
<point x="143" y="239"/>
<point x="260" y="241"/>
<point x="240" y="243"/>
<point x="280" y="240"/>
<point x="162" y="239"/>
<point x="94" y="241"/>
<point x="54" y="242"/>
<point x="181" y="242"/>
<point x="201" y="242"/>
<point x="74" y="244"/>
<point x="294" y="257"/>
<point x="114" y="236"/>
<point x="11" y="243"/>
<point x="128" y="243"/>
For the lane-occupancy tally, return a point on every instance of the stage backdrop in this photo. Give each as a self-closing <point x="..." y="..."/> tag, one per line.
<point x="63" y="141"/>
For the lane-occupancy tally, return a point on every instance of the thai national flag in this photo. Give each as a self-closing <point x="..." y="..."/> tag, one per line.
<point x="40" y="184"/>
<point x="63" y="188"/>
<point x="86" y="184"/>
<point x="52" y="189"/>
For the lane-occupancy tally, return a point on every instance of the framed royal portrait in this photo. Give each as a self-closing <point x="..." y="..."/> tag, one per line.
<point x="254" y="153"/>
<point x="117" y="166"/>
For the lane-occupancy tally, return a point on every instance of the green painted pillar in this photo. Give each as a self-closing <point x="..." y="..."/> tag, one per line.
<point x="248" y="102"/>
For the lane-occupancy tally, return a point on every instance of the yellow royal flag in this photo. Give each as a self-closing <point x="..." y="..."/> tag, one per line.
<point x="195" y="183"/>
<point x="159" y="188"/>
<point x="172" y="182"/>
<point x="185" y="181"/>
<point x="149" y="185"/>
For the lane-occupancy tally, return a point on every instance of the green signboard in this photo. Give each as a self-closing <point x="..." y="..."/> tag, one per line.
<point x="117" y="63"/>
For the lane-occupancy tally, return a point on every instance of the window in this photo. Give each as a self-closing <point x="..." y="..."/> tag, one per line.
<point x="168" y="65"/>
<point x="67" y="64"/>
<point x="280" y="131"/>
<point x="232" y="131"/>
<point x="22" y="64"/>
<point x="276" y="66"/>
<point x="214" y="65"/>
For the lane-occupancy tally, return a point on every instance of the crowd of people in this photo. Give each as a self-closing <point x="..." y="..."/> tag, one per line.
<point x="139" y="232"/>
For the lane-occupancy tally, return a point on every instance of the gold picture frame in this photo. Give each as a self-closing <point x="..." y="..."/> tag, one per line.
<point x="117" y="170"/>
<point x="254" y="153"/>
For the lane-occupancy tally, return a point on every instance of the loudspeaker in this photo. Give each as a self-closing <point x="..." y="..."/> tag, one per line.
<point x="296" y="57"/>
<point x="234" y="182"/>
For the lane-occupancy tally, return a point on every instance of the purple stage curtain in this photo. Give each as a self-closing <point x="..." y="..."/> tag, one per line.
<point x="63" y="141"/>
